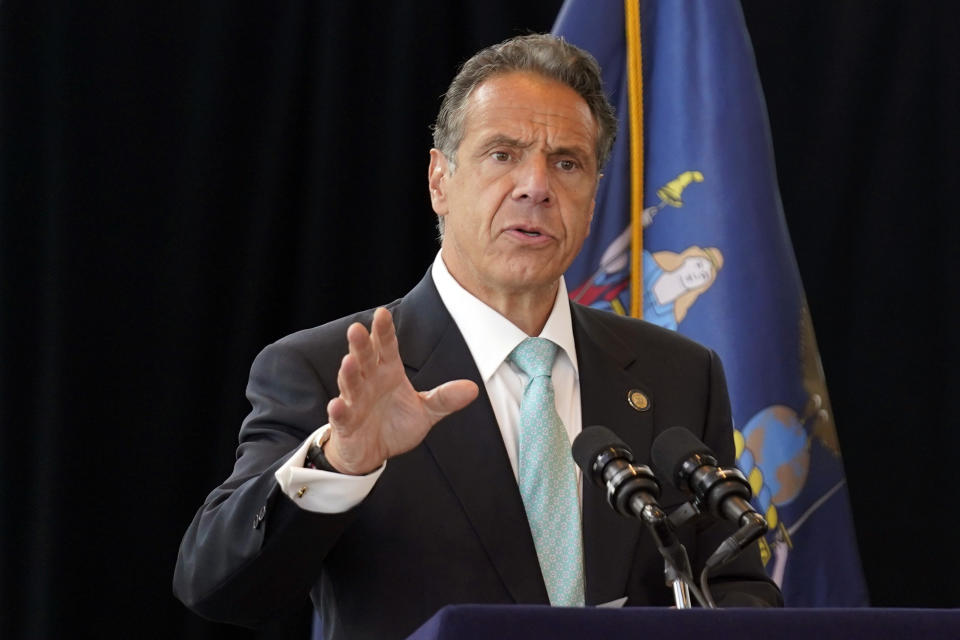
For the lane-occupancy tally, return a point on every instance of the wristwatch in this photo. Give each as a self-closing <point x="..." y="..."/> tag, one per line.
<point x="315" y="456"/>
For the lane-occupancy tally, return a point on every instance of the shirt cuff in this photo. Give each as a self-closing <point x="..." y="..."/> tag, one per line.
<point x="323" y="491"/>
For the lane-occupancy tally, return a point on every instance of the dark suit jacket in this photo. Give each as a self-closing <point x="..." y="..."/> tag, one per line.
<point x="445" y="523"/>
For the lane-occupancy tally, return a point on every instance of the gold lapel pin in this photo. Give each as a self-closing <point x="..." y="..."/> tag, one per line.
<point x="638" y="400"/>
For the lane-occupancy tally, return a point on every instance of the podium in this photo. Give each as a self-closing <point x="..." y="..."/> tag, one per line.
<point x="519" y="622"/>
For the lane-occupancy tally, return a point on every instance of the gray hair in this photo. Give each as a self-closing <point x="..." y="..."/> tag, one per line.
<point x="545" y="54"/>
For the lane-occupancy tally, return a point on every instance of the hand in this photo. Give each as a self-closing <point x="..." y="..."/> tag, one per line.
<point x="378" y="413"/>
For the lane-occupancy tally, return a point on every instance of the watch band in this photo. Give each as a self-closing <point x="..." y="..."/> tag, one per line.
<point x="316" y="459"/>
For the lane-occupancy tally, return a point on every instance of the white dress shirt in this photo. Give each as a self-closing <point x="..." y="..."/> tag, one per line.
<point x="491" y="338"/>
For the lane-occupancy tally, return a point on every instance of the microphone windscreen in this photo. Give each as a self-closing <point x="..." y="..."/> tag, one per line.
<point x="672" y="448"/>
<point x="591" y="441"/>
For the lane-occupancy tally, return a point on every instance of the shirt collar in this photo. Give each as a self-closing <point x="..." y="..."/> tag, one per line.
<point x="490" y="336"/>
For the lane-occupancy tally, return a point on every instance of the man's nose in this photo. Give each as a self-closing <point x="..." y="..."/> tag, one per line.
<point x="533" y="180"/>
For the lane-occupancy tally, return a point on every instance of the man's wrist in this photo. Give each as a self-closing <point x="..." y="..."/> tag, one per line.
<point x="316" y="459"/>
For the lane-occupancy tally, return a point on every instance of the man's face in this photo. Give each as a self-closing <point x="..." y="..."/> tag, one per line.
<point x="518" y="205"/>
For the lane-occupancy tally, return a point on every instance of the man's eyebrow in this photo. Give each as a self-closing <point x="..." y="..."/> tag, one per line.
<point x="569" y="151"/>
<point x="501" y="140"/>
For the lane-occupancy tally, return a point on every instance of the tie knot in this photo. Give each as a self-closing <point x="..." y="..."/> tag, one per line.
<point x="534" y="356"/>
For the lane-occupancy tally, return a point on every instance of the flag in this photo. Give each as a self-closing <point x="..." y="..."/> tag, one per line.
<point x="718" y="267"/>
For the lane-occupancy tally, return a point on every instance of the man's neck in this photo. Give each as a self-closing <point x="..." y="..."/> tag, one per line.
<point x="528" y="308"/>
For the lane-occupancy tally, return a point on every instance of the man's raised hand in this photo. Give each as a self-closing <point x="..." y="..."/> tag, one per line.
<point x="379" y="414"/>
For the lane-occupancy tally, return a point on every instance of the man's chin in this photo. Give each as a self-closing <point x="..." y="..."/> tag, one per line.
<point x="529" y="282"/>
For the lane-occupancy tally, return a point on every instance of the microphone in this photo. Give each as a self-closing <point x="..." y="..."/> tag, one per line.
<point x="632" y="490"/>
<point x="723" y="491"/>
<point x="607" y="461"/>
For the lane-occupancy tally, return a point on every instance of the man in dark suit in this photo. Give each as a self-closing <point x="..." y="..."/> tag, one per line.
<point x="386" y="470"/>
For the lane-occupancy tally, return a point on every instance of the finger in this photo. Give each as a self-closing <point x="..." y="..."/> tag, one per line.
<point x="350" y="378"/>
<point x="383" y="335"/>
<point x="338" y="412"/>
<point x="450" y="396"/>
<point x="361" y="347"/>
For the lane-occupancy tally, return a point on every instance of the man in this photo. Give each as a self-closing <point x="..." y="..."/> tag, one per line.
<point x="391" y="471"/>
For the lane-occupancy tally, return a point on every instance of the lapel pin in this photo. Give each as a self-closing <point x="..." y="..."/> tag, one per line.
<point x="638" y="400"/>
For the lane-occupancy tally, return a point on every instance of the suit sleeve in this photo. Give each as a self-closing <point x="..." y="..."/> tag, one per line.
<point x="243" y="559"/>
<point x="743" y="582"/>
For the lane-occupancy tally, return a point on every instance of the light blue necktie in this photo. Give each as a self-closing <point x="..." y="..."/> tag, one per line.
<point x="547" y="477"/>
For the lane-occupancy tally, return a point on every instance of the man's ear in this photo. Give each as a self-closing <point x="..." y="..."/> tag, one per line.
<point x="437" y="174"/>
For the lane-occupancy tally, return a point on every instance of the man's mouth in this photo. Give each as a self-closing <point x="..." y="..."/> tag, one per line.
<point x="531" y="236"/>
<point x="530" y="232"/>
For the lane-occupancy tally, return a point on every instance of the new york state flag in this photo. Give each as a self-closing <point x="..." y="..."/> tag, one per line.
<point x="717" y="266"/>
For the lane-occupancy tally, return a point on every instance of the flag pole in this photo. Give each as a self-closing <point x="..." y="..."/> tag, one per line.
<point x="635" y="101"/>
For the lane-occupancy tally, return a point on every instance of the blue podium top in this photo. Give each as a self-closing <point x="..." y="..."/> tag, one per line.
<point x="519" y="622"/>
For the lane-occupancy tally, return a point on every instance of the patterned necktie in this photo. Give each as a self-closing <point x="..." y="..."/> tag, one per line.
<point x="547" y="477"/>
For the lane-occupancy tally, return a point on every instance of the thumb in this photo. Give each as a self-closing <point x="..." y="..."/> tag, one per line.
<point x="450" y="396"/>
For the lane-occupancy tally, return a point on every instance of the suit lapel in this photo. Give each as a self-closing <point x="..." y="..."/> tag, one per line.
<point x="604" y="361"/>
<point x="467" y="446"/>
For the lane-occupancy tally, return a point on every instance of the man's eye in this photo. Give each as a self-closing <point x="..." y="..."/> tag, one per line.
<point x="500" y="156"/>
<point x="567" y="165"/>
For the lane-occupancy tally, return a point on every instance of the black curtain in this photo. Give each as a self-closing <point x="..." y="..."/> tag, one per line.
<point x="183" y="183"/>
<point x="862" y="98"/>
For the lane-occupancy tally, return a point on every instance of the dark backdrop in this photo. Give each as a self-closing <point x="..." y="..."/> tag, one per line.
<point x="183" y="183"/>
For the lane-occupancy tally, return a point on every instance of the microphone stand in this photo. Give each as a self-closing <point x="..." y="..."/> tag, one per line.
<point x="676" y="561"/>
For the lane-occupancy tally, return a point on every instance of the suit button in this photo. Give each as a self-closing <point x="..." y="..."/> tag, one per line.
<point x="257" y="519"/>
